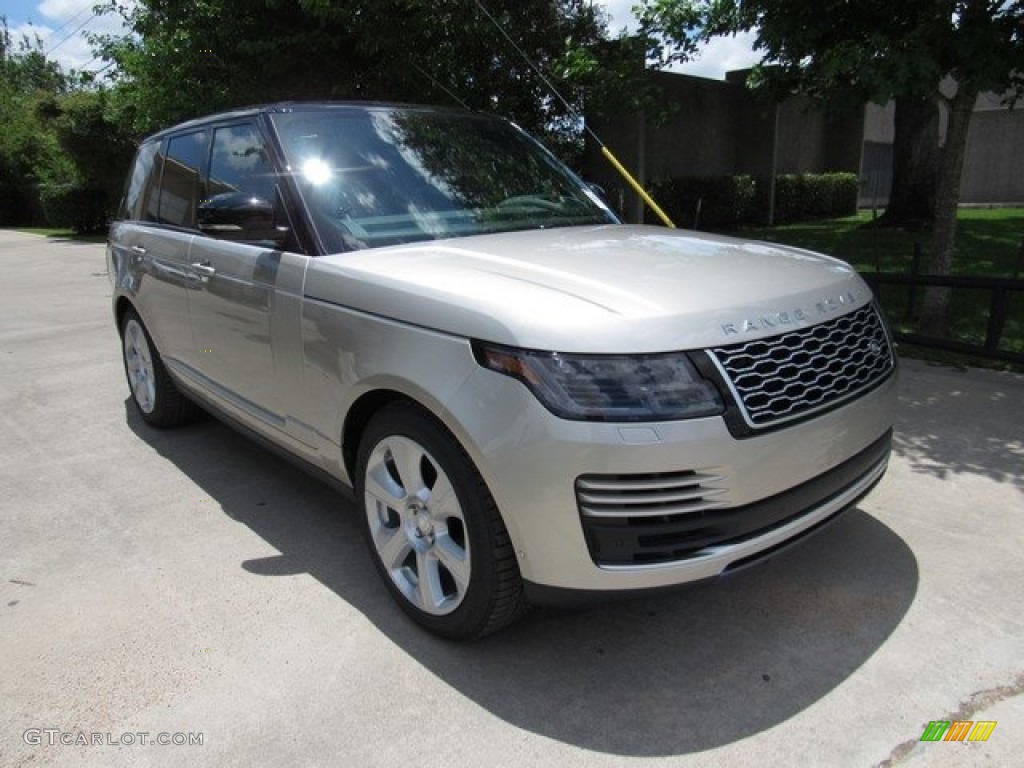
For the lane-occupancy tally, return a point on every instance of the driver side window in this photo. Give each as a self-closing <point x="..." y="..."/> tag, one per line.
<point x="241" y="201"/>
<point x="240" y="163"/>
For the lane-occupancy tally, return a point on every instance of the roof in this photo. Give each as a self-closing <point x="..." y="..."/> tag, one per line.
<point x="299" y="106"/>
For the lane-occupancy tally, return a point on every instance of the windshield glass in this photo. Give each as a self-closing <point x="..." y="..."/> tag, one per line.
<point x="380" y="177"/>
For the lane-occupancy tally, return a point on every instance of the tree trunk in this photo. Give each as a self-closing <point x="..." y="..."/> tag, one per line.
<point x="915" y="163"/>
<point x="935" y="318"/>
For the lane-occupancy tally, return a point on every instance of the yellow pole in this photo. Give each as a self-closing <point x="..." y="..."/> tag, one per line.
<point x="637" y="188"/>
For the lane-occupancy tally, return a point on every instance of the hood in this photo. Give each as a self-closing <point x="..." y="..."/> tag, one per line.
<point x="605" y="289"/>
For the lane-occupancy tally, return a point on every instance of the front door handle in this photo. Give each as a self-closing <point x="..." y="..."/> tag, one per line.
<point x="203" y="268"/>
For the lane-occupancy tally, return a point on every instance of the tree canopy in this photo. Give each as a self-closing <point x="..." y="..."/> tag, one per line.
<point x="185" y="59"/>
<point x="875" y="49"/>
<point x="60" y="131"/>
<point x="29" y="151"/>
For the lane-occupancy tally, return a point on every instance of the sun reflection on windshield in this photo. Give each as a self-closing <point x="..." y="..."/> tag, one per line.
<point x="316" y="171"/>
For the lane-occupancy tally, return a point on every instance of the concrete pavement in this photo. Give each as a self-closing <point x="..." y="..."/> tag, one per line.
<point x="189" y="582"/>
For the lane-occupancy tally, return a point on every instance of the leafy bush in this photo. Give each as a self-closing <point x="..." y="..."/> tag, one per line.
<point x="725" y="202"/>
<point x="84" y="208"/>
<point x="799" y="197"/>
<point x="706" y="202"/>
<point x="19" y="204"/>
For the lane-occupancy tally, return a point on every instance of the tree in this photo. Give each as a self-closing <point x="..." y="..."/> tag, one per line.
<point x="188" y="59"/>
<point x="29" y="152"/>
<point x="915" y="162"/>
<point x="99" y="148"/>
<point x="919" y="52"/>
<point x="24" y="65"/>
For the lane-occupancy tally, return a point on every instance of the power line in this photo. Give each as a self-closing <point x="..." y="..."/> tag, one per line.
<point x="439" y="85"/>
<point x="73" y="33"/>
<point x="572" y="110"/>
<point x="619" y="167"/>
<point x="72" y="20"/>
<point x="99" y="71"/>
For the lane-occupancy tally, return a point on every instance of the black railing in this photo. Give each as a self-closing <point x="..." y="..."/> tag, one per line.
<point x="999" y="289"/>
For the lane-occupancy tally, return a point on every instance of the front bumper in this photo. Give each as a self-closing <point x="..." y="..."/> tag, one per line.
<point x="628" y="541"/>
<point x="761" y="492"/>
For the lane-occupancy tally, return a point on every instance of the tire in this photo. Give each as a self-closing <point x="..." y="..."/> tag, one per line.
<point x="153" y="391"/>
<point x="433" y="530"/>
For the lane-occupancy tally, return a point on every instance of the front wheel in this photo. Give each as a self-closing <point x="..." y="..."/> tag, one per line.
<point x="434" y="531"/>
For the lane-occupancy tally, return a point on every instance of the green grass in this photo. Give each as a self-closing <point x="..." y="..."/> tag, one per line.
<point x="989" y="243"/>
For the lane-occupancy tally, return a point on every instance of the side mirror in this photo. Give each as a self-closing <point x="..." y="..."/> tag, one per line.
<point x="240" y="217"/>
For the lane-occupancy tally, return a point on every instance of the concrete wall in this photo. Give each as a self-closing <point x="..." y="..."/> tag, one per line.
<point x="716" y="129"/>
<point x="701" y="140"/>
<point x="876" y="159"/>
<point x="879" y="123"/>
<point x="994" y="166"/>
<point x="722" y="128"/>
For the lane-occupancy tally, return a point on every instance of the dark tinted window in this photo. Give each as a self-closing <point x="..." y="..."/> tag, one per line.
<point x="241" y="201"/>
<point x="240" y="163"/>
<point x="179" y="188"/>
<point x="140" y="197"/>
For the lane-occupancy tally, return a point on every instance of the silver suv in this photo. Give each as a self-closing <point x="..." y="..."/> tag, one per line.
<point x="532" y="401"/>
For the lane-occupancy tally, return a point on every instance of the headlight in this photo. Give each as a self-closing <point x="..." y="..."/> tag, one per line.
<point x="659" y="387"/>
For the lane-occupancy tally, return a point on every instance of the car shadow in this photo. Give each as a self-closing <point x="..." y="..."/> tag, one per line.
<point x="961" y="422"/>
<point x="707" y="665"/>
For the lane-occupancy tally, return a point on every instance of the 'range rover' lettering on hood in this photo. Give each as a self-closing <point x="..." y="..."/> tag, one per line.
<point x="827" y="305"/>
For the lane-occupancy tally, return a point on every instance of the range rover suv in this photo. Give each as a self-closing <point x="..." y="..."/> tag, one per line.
<point x="531" y="401"/>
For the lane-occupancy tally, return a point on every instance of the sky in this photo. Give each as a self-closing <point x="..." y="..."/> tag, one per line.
<point x="721" y="55"/>
<point x="63" y="24"/>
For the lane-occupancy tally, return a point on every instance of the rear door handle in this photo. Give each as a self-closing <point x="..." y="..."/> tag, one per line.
<point x="139" y="250"/>
<point x="203" y="268"/>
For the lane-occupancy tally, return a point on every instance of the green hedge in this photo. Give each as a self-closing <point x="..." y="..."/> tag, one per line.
<point x="706" y="202"/>
<point x="81" y="207"/>
<point x="19" y="205"/>
<point x="724" y="202"/>
<point x="799" y="197"/>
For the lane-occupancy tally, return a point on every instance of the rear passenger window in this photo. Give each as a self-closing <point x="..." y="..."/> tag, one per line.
<point x="179" y="189"/>
<point x="141" y="194"/>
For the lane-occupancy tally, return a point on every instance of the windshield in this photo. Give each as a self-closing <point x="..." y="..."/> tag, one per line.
<point x="381" y="177"/>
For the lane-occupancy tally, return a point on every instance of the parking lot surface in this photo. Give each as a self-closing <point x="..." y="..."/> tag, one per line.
<point x="189" y="586"/>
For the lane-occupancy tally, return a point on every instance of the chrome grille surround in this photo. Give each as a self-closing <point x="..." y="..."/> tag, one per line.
<point x="797" y="374"/>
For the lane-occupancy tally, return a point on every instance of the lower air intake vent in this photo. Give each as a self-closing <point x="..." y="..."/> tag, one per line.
<point x="644" y="520"/>
<point x="618" y="509"/>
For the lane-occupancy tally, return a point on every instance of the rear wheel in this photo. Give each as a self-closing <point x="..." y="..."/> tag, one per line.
<point x="153" y="391"/>
<point x="434" y="531"/>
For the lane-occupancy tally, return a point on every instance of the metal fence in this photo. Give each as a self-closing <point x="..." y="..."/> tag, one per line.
<point x="999" y="291"/>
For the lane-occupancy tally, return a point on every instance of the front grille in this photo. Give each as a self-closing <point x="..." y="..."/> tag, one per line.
<point x="802" y="372"/>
